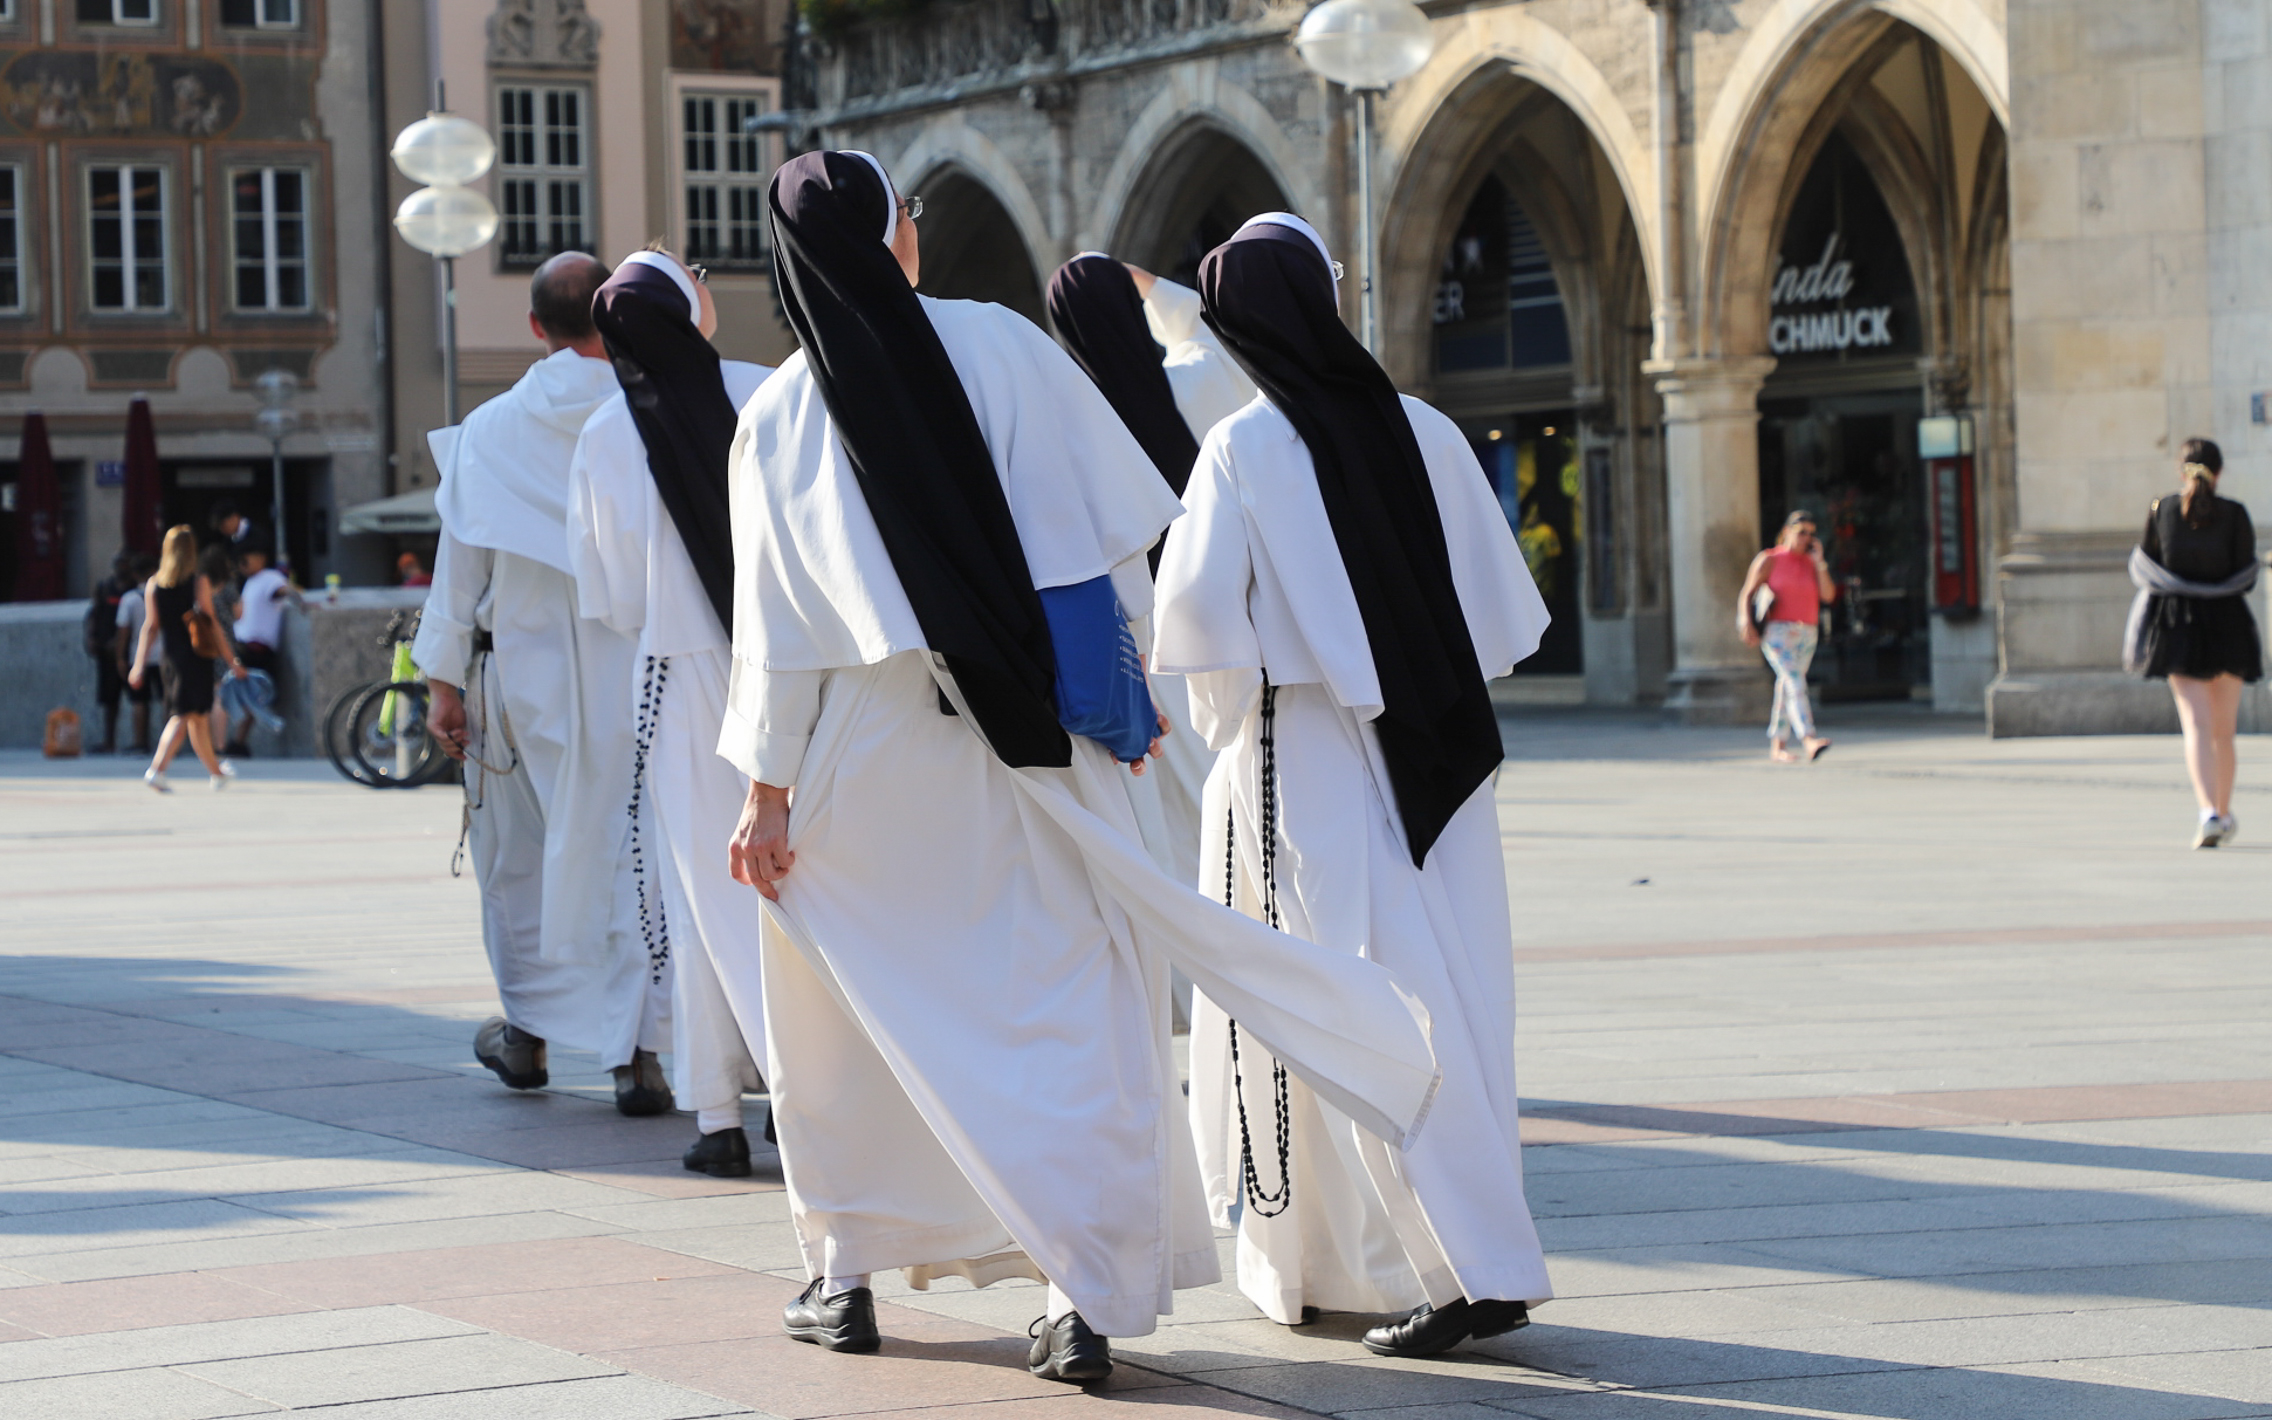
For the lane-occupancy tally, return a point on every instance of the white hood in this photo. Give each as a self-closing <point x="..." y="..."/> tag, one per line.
<point x="505" y="469"/>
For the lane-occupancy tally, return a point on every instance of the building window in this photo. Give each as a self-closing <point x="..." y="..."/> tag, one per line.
<point x="7" y="12"/>
<point x="544" y="172"/>
<point x="11" y="238"/>
<point x="126" y="246"/>
<point x="261" y="14"/>
<point x="270" y="209"/>
<point x="725" y="187"/>
<point x="117" y="12"/>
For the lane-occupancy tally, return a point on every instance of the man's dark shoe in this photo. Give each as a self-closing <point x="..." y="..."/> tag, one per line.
<point x="1425" y="1331"/>
<point x="1488" y="1319"/>
<point x="516" y="1056"/>
<point x="237" y="749"/>
<point x="724" y="1154"/>
<point x="844" y="1322"/>
<point x="640" y="1087"/>
<point x="1067" y="1350"/>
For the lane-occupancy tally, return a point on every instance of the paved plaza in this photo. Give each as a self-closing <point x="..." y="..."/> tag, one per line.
<point x="1928" y="1081"/>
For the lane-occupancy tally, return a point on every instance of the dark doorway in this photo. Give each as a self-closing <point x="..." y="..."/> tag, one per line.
<point x="1532" y="462"/>
<point x="190" y="489"/>
<point x="69" y="521"/>
<point x="972" y="250"/>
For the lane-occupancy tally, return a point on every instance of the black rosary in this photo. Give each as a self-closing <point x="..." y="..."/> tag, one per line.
<point x="1264" y="1203"/>
<point x="652" y="926"/>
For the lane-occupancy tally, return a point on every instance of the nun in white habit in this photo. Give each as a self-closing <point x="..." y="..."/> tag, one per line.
<point x="967" y="949"/>
<point x="532" y="696"/>
<point x="1342" y="585"/>
<point x="1140" y="338"/>
<point x="652" y="550"/>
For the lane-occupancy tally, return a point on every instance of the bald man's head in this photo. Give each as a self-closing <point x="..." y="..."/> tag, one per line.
<point x="560" y="298"/>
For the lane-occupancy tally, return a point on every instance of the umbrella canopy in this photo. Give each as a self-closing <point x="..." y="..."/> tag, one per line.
<point x="139" y="529"/>
<point x="39" y="518"/>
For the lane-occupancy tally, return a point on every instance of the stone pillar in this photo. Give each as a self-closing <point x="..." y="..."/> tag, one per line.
<point x="1712" y="516"/>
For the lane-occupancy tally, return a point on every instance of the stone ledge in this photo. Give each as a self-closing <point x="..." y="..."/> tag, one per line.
<point x="2098" y="703"/>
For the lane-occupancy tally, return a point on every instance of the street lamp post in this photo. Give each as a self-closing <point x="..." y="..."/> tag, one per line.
<point x="275" y="419"/>
<point x="446" y="219"/>
<point x="1365" y="46"/>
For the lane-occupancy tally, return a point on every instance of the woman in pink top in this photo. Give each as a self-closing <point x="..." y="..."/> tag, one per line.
<point x="1796" y="582"/>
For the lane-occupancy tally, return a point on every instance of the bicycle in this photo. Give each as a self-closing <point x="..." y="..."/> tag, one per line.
<point x="376" y="734"/>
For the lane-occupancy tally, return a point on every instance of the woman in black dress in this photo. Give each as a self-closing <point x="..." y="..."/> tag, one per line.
<point x="2196" y="630"/>
<point x="171" y="596"/>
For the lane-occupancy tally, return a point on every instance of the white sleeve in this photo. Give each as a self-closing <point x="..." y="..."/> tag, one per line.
<point x="769" y="721"/>
<point x="444" y="648"/>
<point x="607" y="532"/>
<point x="1172" y="311"/>
<point x="1205" y="632"/>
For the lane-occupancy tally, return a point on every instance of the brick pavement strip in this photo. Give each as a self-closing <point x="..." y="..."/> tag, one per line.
<point x="1934" y="1115"/>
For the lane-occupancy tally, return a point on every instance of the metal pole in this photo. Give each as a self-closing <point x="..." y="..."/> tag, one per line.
<point x="449" y="340"/>
<point x="1365" y="301"/>
<point x="276" y="489"/>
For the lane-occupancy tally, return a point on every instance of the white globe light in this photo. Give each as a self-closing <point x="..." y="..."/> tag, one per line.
<point x="446" y="221"/>
<point x="444" y="150"/>
<point x="1365" y="44"/>
<point x="276" y="387"/>
<point x="275" y="423"/>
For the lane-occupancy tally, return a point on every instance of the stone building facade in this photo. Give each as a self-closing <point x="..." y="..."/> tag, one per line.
<point x="1956" y="275"/>
<point x="187" y="201"/>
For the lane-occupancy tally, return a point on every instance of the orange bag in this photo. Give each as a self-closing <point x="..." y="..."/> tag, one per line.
<point x="62" y="740"/>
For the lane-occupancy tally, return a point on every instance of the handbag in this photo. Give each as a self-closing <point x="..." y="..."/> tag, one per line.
<point x="204" y="634"/>
<point x="1101" y="690"/>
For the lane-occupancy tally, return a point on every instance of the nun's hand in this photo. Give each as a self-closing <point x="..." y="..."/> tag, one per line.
<point x="758" y="853"/>
<point x="1141" y="277"/>
<point x="1153" y="750"/>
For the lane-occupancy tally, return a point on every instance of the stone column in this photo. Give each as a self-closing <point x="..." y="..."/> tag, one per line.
<point x="1712" y="516"/>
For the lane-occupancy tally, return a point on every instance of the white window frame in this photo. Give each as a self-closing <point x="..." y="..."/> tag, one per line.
<point x="547" y="176"/>
<point x="765" y="93"/>
<point x="12" y="221"/>
<point x="262" y="21"/>
<point x="273" y="266"/>
<point x="118" y="15"/>
<point x="129" y="256"/>
<point x="7" y="12"/>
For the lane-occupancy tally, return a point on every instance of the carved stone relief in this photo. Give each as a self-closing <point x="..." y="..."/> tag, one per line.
<point x="543" y="34"/>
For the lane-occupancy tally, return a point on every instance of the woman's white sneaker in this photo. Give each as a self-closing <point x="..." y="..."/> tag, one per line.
<point x="156" y="779"/>
<point x="221" y="780"/>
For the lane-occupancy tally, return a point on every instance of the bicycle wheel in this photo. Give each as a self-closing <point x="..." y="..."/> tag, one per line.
<point x="386" y="733"/>
<point x="337" y="745"/>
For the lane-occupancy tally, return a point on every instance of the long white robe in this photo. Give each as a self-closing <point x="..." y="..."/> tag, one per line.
<point x="1208" y="387"/>
<point x="966" y="973"/>
<point x="1249" y="584"/>
<point x="633" y="574"/>
<point x="546" y="707"/>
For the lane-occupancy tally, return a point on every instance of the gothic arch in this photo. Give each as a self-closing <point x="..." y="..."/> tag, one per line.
<point x="947" y="142"/>
<point x="1200" y="182"/>
<point x="1196" y="99"/>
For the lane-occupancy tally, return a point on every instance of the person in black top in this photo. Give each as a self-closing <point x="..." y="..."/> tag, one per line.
<point x="2206" y="646"/>
<point x="101" y="638"/>
<point x="174" y="594"/>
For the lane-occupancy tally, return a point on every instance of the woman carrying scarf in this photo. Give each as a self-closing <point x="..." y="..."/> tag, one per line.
<point x="967" y="948"/>
<point x="1343" y="583"/>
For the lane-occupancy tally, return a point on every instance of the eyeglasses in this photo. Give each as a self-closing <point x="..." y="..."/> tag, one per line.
<point x="1338" y="269"/>
<point x="912" y="206"/>
<point x="701" y="274"/>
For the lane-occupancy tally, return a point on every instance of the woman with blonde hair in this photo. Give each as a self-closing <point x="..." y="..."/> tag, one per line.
<point x="180" y="602"/>
<point x="2193" y="566"/>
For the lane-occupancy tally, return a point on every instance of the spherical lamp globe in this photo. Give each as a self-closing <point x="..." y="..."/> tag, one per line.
<point x="444" y="150"/>
<point x="1365" y="44"/>
<point x="446" y="221"/>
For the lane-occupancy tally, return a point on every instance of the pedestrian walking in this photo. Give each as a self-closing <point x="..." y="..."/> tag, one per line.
<point x="2190" y="625"/>
<point x="101" y="636"/>
<point x="181" y="612"/>
<point x="126" y="638"/>
<point x="1780" y="613"/>
<point x="259" y="630"/>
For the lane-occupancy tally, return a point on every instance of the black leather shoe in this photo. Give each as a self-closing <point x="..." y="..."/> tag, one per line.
<point x="640" y="1087"/>
<point x="1432" y="1330"/>
<point x="516" y="1056"/>
<point x="844" y="1322"/>
<point x="1489" y="1319"/>
<point x="1068" y="1350"/>
<point x="724" y="1154"/>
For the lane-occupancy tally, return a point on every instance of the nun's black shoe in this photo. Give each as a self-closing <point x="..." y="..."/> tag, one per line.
<point x="516" y="1056"/>
<point x="640" y="1087"/>
<point x="724" y="1154"/>
<point x="844" y="1322"/>
<point x="1066" y="1350"/>
<point x="1431" y="1330"/>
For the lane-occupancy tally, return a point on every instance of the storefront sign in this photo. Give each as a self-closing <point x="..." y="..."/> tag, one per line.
<point x="1842" y="288"/>
<point x="1831" y="278"/>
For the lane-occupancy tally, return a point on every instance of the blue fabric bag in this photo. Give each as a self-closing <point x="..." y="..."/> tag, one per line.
<point x="252" y="696"/>
<point x="1101" y="691"/>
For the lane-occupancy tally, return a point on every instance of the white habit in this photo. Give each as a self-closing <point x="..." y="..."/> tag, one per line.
<point x="545" y="710"/>
<point x="966" y="975"/>
<point x="1251" y="584"/>
<point x="633" y="575"/>
<point x="1208" y="386"/>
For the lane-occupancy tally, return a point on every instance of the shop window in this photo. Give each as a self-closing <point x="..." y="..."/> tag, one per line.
<point x="117" y="12"/>
<point x="261" y="14"/>
<point x="1497" y="304"/>
<point x="11" y="238"/>
<point x="724" y="183"/>
<point x="544" y="172"/>
<point x="270" y="237"/>
<point x="126" y="238"/>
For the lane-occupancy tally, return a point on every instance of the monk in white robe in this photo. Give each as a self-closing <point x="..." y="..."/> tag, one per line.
<point x="531" y="695"/>
<point x="1140" y="338"/>
<point x="967" y="949"/>
<point x="1336" y="614"/>
<point x="651" y="461"/>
